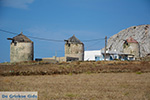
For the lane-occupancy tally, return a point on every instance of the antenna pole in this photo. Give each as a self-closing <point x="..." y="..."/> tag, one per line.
<point x="105" y="48"/>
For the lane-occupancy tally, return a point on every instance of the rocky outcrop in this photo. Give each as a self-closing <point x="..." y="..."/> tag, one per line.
<point x="140" y="33"/>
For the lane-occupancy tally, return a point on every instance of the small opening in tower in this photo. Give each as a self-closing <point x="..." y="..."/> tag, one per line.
<point x="134" y="27"/>
<point x="68" y="44"/>
<point x="15" y="43"/>
<point x="146" y="27"/>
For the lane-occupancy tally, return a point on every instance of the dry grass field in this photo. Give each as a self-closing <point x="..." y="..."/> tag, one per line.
<point x="95" y="86"/>
<point x="113" y="80"/>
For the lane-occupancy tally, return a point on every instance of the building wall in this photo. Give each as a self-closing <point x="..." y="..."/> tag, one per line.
<point x="74" y="50"/>
<point x="54" y="59"/>
<point x="61" y="59"/>
<point x="21" y="51"/>
<point x="132" y="48"/>
<point x="90" y="55"/>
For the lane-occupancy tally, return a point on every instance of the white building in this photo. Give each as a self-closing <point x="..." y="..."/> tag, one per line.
<point x="98" y="55"/>
<point x="92" y="55"/>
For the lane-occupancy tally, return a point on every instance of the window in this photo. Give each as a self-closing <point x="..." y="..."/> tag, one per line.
<point x="68" y="44"/>
<point x="97" y="58"/>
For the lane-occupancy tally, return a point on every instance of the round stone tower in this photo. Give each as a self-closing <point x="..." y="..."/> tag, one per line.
<point x="21" y="48"/>
<point x="74" y="49"/>
<point x="131" y="46"/>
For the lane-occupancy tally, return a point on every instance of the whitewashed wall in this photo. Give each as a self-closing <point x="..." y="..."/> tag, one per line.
<point x="90" y="55"/>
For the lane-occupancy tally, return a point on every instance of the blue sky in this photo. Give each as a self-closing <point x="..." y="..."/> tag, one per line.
<point x="60" y="19"/>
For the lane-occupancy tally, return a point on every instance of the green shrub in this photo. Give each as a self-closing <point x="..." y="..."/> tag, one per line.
<point x="138" y="72"/>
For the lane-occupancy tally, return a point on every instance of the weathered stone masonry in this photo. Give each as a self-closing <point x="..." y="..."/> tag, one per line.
<point x="21" y="49"/>
<point x="74" y="48"/>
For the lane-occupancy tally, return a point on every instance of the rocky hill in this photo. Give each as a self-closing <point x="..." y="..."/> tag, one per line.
<point x="140" y="33"/>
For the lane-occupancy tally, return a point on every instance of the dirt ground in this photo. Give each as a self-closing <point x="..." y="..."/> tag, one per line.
<point x="86" y="86"/>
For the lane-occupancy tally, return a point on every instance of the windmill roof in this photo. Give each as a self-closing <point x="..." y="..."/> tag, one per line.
<point x="131" y="40"/>
<point x="73" y="39"/>
<point x="21" y="38"/>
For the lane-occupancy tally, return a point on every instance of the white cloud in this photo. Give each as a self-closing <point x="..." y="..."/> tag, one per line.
<point x="23" y="4"/>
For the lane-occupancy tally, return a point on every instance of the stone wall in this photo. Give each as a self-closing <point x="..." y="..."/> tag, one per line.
<point x="54" y="59"/>
<point x="21" y="51"/>
<point x="132" y="48"/>
<point x="74" y="50"/>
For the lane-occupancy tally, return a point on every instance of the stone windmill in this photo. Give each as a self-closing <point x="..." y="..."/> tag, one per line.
<point x="74" y="48"/>
<point x="21" y="48"/>
<point x="131" y="46"/>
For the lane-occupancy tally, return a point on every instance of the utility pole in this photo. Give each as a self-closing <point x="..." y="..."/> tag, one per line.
<point x="105" y="48"/>
<point x="55" y="55"/>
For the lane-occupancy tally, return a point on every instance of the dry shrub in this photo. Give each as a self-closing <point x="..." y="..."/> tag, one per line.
<point x="88" y="64"/>
<point x="144" y="63"/>
<point x="78" y="63"/>
<point x="98" y="62"/>
<point x="63" y="63"/>
<point x="74" y="68"/>
<point x="6" y="80"/>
